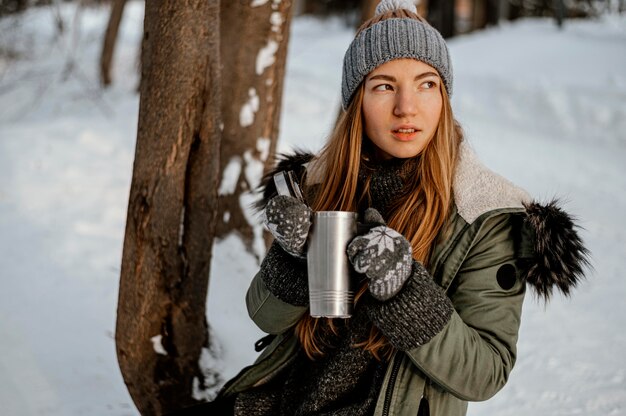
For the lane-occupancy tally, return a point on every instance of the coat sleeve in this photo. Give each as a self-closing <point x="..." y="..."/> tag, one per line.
<point x="472" y="356"/>
<point x="278" y="294"/>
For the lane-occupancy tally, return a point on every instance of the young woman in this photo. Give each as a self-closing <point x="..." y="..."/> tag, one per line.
<point x="442" y="270"/>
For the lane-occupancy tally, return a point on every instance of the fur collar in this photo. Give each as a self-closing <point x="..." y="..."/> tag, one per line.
<point x="557" y="257"/>
<point x="478" y="190"/>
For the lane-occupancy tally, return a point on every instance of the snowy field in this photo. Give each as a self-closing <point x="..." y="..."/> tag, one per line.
<point x="545" y="108"/>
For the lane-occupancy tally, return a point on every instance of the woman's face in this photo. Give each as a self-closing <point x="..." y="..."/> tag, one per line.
<point x="402" y="104"/>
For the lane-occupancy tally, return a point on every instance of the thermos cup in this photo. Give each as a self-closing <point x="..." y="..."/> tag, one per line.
<point x="331" y="292"/>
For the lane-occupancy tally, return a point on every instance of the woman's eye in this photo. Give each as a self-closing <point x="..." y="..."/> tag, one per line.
<point x="383" y="87"/>
<point x="429" y="84"/>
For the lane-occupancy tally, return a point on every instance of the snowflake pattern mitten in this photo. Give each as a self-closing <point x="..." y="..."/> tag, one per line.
<point x="289" y="221"/>
<point x="385" y="257"/>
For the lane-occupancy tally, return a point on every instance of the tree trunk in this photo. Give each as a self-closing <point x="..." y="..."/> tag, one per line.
<point x="161" y="318"/>
<point x="493" y="12"/>
<point x="486" y="13"/>
<point x="110" y="38"/>
<point x="368" y="7"/>
<point x="252" y="77"/>
<point x="479" y="17"/>
<point x="441" y="16"/>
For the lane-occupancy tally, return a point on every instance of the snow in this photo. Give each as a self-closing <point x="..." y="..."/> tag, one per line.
<point x="211" y="366"/>
<point x="266" y="56"/>
<point x="545" y="108"/>
<point x="246" y="202"/>
<point x="157" y="344"/>
<point x="250" y="107"/>
<point x="257" y="3"/>
<point x="230" y="176"/>
<point x="263" y="147"/>
<point x="276" y="19"/>
<point x="253" y="173"/>
<point x="253" y="170"/>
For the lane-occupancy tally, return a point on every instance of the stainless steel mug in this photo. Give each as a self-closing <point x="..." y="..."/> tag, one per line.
<point x="331" y="292"/>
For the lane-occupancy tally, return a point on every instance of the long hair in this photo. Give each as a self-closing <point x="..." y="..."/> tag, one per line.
<point x="419" y="213"/>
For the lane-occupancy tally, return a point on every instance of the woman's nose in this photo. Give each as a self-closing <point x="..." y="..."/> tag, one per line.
<point x="406" y="104"/>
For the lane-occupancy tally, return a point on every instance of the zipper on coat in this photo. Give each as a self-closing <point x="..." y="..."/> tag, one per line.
<point x="390" y="385"/>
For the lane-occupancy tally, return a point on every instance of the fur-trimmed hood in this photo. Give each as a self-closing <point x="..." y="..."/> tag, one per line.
<point x="556" y="257"/>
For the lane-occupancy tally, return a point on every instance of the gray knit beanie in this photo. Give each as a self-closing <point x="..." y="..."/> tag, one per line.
<point x="393" y="39"/>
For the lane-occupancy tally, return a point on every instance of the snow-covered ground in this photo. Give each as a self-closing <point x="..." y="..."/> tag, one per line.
<point x="545" y="108"/>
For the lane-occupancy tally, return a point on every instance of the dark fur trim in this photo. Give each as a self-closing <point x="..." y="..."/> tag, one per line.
<point x="559" y="258"/>
<point x="294" y="162"/>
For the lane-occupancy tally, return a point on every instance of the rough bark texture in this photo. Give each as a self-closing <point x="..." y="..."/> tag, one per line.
<point x="172" y="206"/>
<point x="253" y="86"/>
<point x="110" y="39"/>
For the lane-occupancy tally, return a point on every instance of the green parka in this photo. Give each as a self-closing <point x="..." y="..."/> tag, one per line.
<point x="495" y="244"/>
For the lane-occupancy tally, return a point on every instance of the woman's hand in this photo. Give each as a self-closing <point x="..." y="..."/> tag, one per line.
<point x="289" y="221"/>
<point x="383" y="255"/>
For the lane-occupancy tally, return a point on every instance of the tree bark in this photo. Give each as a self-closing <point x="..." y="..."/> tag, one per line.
<point x="441" y="16"/>
<point x="161" y="318"/>
<point x="479" y="17"/>
<point x="486" y="13"/>
<point x="368" y="8"/>
<point x="252" y="77"/>
<point x="110" y="39"/>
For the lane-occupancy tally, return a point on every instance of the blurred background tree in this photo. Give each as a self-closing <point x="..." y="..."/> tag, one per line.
<point x="254" y="53"/>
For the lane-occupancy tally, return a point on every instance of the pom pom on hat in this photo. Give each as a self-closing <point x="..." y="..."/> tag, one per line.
<point x="390" y="5"/>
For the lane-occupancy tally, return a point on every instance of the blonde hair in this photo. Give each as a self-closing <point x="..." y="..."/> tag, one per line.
<point x="419" y="213"/>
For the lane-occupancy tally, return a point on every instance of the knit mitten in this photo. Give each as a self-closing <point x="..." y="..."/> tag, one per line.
<point x="383" y="255"/>
<point x="416" y="314"/>
<point x="289" y="220"/>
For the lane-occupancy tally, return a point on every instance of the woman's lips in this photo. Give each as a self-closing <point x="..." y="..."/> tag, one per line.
<point x="405" y="134"/>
